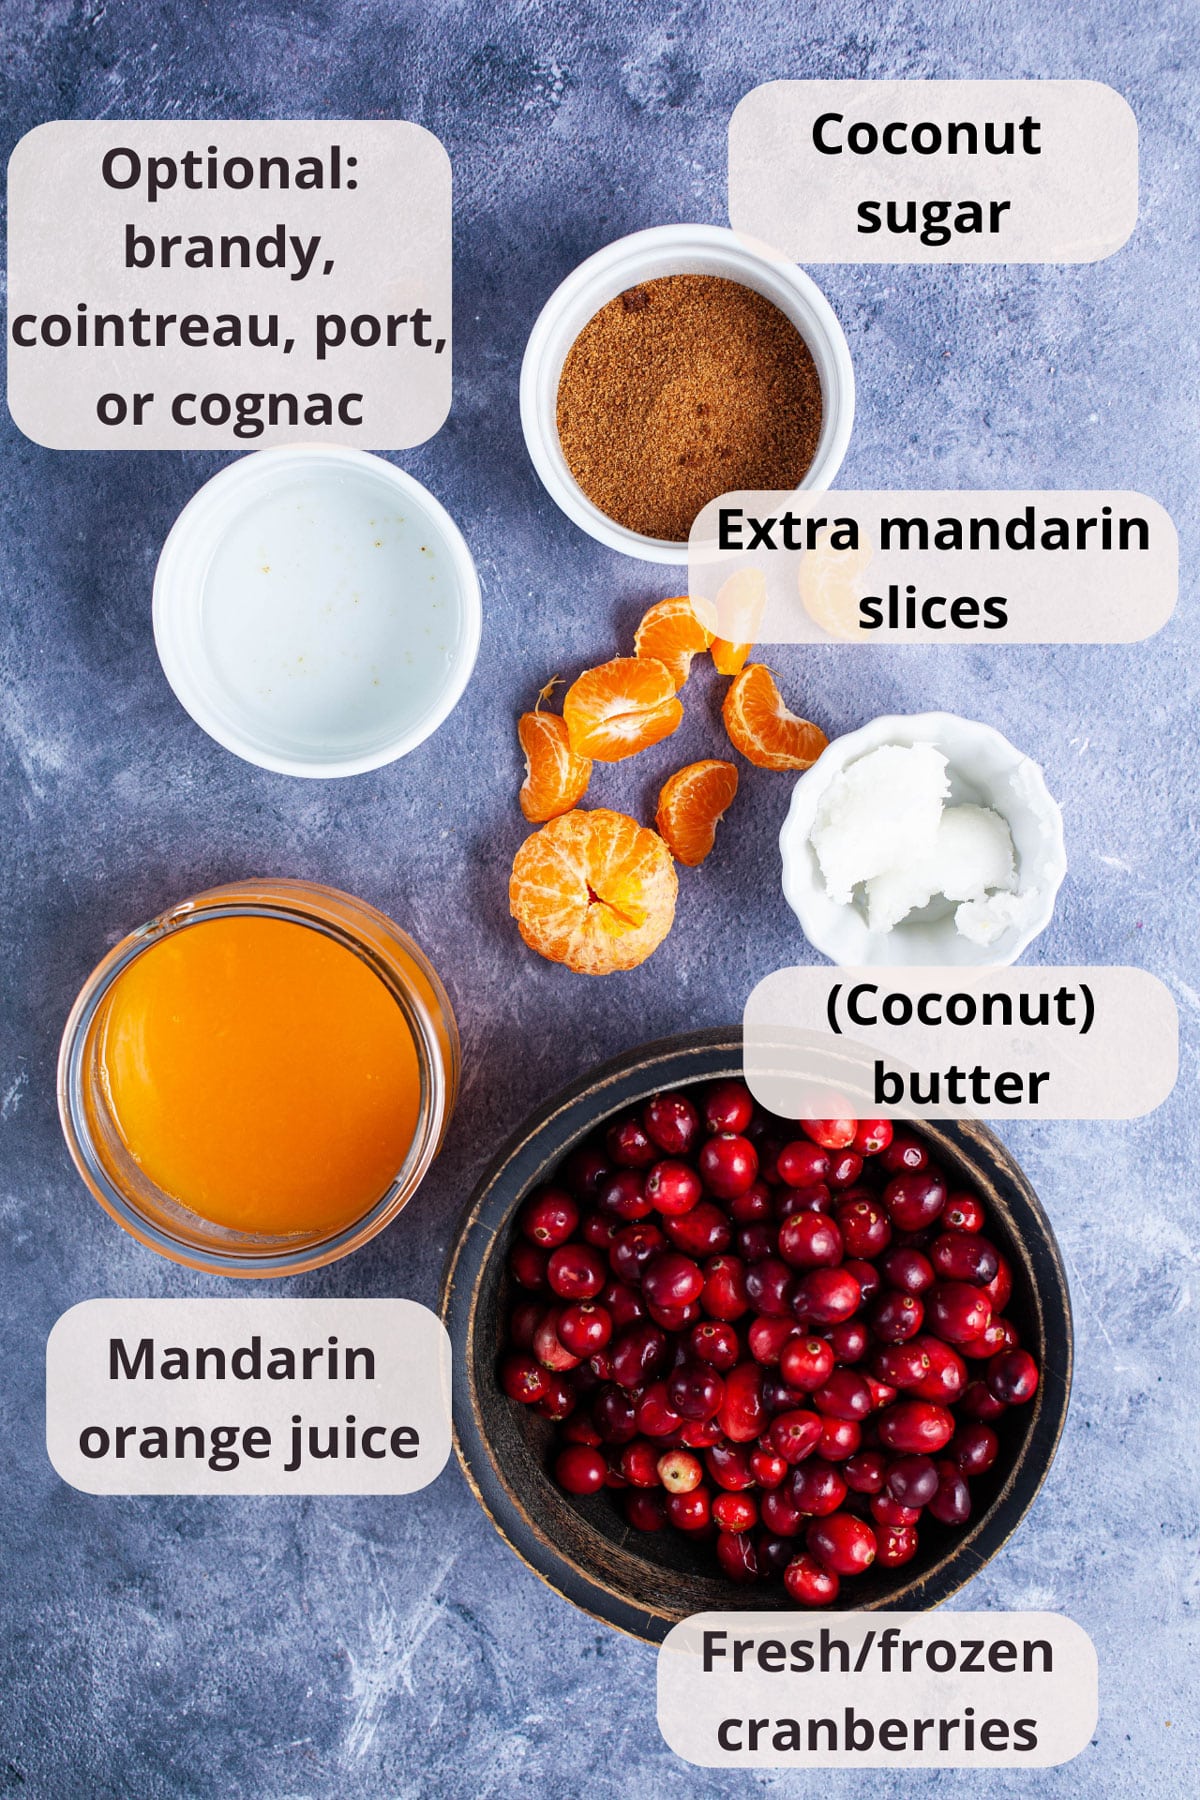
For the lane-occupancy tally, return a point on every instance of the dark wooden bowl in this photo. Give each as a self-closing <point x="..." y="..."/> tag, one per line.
<point x="644" y="1584"/>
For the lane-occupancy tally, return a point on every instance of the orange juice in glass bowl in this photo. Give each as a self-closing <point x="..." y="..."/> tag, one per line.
<point x="255" y="1082"/>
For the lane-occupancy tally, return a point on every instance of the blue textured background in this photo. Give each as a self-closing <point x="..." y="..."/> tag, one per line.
<point x="272" y="1650"/>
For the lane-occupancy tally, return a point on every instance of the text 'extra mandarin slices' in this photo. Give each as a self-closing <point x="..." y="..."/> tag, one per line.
<point x="620" y="708"/>
<point x="594" y="890"/>
<point x="762" y="728"/>
<point x="555" y="778"/>
<point x="691" y="805"/>
<point x="672" y="633"/>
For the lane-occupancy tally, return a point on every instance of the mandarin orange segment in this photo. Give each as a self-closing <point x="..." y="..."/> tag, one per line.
<point x="762" y="728"/>
<point x="672" y="633"/>
<point x="593" y="890"/>
<point x="729" y="659"/>
<point x="555" y="778"/>
<point x="620" y="708"/>
<point x="690" y="807"/>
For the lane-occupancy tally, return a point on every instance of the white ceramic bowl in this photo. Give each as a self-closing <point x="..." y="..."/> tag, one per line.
<point x="646" y="256"/>
<point x="316" y="610"/>
<point x="985" y="770"/>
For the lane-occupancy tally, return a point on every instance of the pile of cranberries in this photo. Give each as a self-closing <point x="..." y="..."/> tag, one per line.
<point x="794" y="1346"/>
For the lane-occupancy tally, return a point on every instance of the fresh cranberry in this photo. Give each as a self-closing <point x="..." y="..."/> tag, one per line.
<point x="979" y="1402"/>
<point x="645" y="1511"/>
<point x="795" y="1434"/>
<point x="623" y="1197"/>
<point x="831" y="1134"/>
<point x="704" y="1231"/>
<point x="912" y="1480"/>
<point x="886" y="1510"/>
<point x="957" y="1311"/>
<point x="845" y="1169"/>
<point x="639" y="1463"/>
<point x="917" y="1427"/>
<point x="1012" y="1377"/>
<point x="803" y="1164"/>
<point x="728" y="1466"/>
<point x="679" y="1471"/>
<point x="600" y="1365"/>
<point x="752" y="1207"/>
<point x="615" y="1415"/>
<point x="867" y="1277"/>
<point x="639" y="1354"/>
<point x="586" y="1172"/>
<point x="842" y="1543"/>
<point x="806" y="1362"/>
<point x="673" y="1187"/>
<point x="865" y="1471"/>
<point x="728" y="1107"/>
<point x="632" y="1248"/>
<point x="714" y="1343"/>
<point x="896" y="1317"/>
<point x="973" y="1448"/>
<point x="907" y="1270"/>
<point x="549" y="1216"/>
<point x="691" y="1511"/>
<point x="1001" y="1334"/>
<point x="728" y="1165"/>
<point x="580" y="1470"/>
<point x="671" y="1122"/>
<point x="810" y="1583"/>
<point x="742" y="1414"/>
<point x="756" y="1242"/>
<point x="849" y="1340"/>
<point x="844" y="1396"/>
<point x="779" y="1397"/>
<point x="816" y="1199"/>
<point x="735" y="1512"/>
<point x="737" y="1554"/>
<point x="951" y="1503"/>
<point x="523" y="1379"/>
<point x="655" y="1416"/>
<point x="818" y="1489"/>
<point x="695" y="1391"/>
<point x="528" y="1264"/>
<point x="724" y="1296"/>
<point x="964" y="1256"/>
<point x="628" y="1145"/>
<point x="548" y="1347"/>
<point x="943" y="1372"/>
<point x="559" y="1401"/>
<point x="780" y="1514"/>
<point x="839" y="1439"/>
<point x="826" y="1296"/>
<point x="769" y="1285"/>
<point x="900" y="1365"/>
<point x="580" y="1430"/>
<point x="599" y="1230"/>
<point x="896" y="1545"/>
<point x="914" y="1200"/>
<point x="576" y="1271"/>
<point x="999" y="1290"/>
<point x="766" y="1338"/>
<point x="700" y="1434"/>
<point x="865" y="1228"/>
<point x="808" y="1240"/>
<point x="767" y="1468"/>
<point x="873" y="1136"/>
<point x="905" y="1154"/>
<point x="674" y="1319"/>
<point x="584" y="1328"/>
<point x="624" y="1304"/>
<point x="671" y="1279"/>
<point x="526" y="1317"/>
<point x="962" y="1212"/>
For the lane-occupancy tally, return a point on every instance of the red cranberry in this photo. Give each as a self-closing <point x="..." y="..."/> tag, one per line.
<point x="615" y="1415"/>
<point x="842" y="1543"/>
<point x="978" y="1402"/>
<point x="674" y="1318"/>
<point x="742" y="1414"/>
<point x="914" y="1200"/>
<point x="845" y="1169"/>
<point x="999" y="1290"/>
<point x="1001" y="1334"/>
<point x="756" y="1242"/>
<point x="1012" y="1377"/>
<point x="810" y="1583"/>
<point x="780" y="1514"/>
<point x="526" y="1317"/>
<point x="623" y="1197"/>
<point x="584" y="1328"/>
<point x="913" y="1481"/>
<point x="962" y="1212"/>
<point x="769" y="1285"/>
<point x="873" y="1136"/>
<point x="628" y="1145"/>
<point x="586" y="1172"/>
<point x="806" y="1362"/>
<point x="700" y="1434"/>
<point x="632" y="1249"/>
<point x="691" y="1511"/>
<point x="704" y="1231"/>
<point x="528" y="1264"/>
<point x="907" y="1270"/>
<point x="714" y="1343"/>
<point x="580" y="1470"/>
<point x="728" y="1165"/>
<point x="729" y="1466"/>
<point x="865" y="1470"/>
<point x="767" y="1468"/>
<point x="645" y="1511"/>
<point x="826" y="1296"/>
<point x="917" y="1427"/>
<point x="795" y="1434"/>
<point x="839" y="1439"/>
<point x="523" y="1379"/>
<point x="549" y="1349"/>
<point x="766" y="1338"/>
<point x="867" y="1277"/>
<point x="728" y="1107"/>
<point x="735" y="1512"/>
<point x="673" y="1187"/>
<point x="881" y="1393"/>
<point x="815" y="1199"/>
<point x="831" y="1134"/>
<point x="900" y="1365"/>
<point x="943" y="1374"/>
<point x="671" y="1122"/>
<point x="576" y="1271"/>
<point x="957" y="1311"/>
<point x="599" y="1230"/>
<point x="737" y="1554"/>
<point x="865" y="1228"/>
<point x="639" y="1354"/>
<point x="818" y="1489"/>
<point x="695" y="1391"/>
<point x="808" y="1240"/>
<point x="580" y="1430"/>
<point x="885" y="1510"/>
<point x="896" y="1317"/>
<point x="655" y="1416"/>
<point x="559" y="1401"/>
<point x="896" y="1544"/>
<point x="725" y="1295"/>
<point x="951" y="1503"/>
<point x="639" y="1463"/>
<point x="802" y="1164"/>
<point x="753" y="1207"/>
<point x="549" y="1216"/>
<point x="671" y="1279"/>
<point x="844" y="1396"/>
<point x="624" y="1304"/>
<point x="905" y="1154"/>
<point x="974" y="1448"/>
<point x="849" y="1340"/>
<point x="964" y="1256"/>
<point x="779" y="1397"/>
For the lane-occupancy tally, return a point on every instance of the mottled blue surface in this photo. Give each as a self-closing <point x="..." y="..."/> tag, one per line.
<point x="267" y="1650"/>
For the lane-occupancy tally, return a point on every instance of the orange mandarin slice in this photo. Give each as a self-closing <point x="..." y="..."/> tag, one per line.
<point x="690" y="807"/>
<point x="593" y="890"/>
<point x="620" y="708"/>
<point x="555" y="778"/>
<point x="729" y="659"/>
<point x="762" y="728"/>
<point x="672" y="632"/>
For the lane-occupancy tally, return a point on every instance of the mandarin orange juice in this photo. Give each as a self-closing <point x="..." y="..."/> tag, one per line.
<point x="261" y="1074"/>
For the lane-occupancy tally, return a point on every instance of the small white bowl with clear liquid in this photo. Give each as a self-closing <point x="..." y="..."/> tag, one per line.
<point x="316" y="610"/>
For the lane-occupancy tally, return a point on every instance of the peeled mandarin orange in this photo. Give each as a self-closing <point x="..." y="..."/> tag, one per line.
<point x="672" y="632"/>
<point x="729" y="659"/>
<point x="762" y="728"/>
<point x="593" y="890"/>
<point x="620" y="708"/>
<point x="555" y="778"/>
<point x="690" y="807"/>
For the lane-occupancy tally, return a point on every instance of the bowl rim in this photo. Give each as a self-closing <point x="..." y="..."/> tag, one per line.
<point x="539" y="1144"/>
<point x="620" y="261"/>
